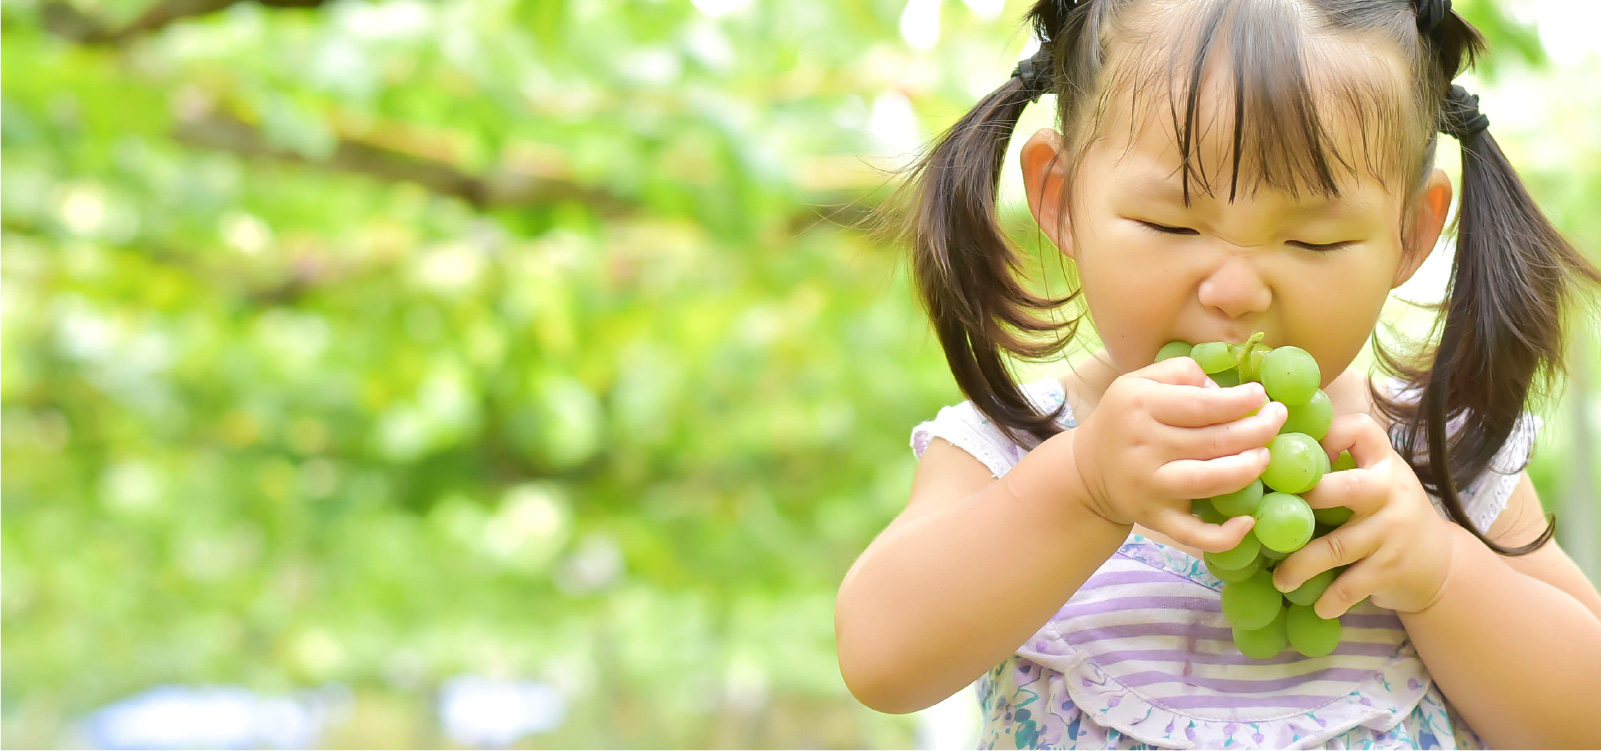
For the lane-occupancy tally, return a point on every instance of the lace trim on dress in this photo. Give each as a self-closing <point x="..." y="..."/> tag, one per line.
<point x="1486" y="496"/>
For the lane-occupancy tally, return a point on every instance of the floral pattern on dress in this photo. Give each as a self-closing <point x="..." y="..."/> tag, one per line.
<point x="1010" y="696"/>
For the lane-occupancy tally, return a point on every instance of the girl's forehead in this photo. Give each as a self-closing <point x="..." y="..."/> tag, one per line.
<point x="1149" y="161"/>
<point x="1335" y="116"/>
<point x="1150" y="180"/>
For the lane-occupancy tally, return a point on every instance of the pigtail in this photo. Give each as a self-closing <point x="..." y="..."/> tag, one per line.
<point x="1501" y="336"/>
<point x="965" y="267"/>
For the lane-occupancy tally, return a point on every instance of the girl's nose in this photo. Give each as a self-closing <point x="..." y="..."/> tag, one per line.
<point x="1235" y="289"/>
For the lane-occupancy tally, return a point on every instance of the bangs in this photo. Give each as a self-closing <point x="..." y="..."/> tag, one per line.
<point x="1250" y="100"/>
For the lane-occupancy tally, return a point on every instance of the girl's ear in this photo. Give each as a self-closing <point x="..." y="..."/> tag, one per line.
<point x="1428" y="220"/>
<point x="1044" y="178"/>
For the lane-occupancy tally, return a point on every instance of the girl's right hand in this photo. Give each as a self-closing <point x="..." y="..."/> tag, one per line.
<point x="1166" y="434"/>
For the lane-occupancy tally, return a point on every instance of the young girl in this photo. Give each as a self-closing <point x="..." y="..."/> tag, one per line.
<point x="1225" y="167"/>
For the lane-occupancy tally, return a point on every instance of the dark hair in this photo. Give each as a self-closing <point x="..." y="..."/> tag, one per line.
<point x="1501" y="330"/>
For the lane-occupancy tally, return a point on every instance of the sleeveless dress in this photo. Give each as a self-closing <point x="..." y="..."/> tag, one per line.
<point x="1141" y="657"/>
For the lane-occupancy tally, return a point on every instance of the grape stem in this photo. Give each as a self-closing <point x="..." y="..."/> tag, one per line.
<point x="1244" y="350"/>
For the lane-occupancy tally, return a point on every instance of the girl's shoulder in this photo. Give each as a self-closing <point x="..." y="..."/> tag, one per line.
<point x="965" y="427"/>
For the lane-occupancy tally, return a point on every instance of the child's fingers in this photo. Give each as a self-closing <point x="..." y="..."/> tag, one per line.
<point x="1352" y="586"/>
<point x="1233" y="437"/>
<point x="1186" y="529"/>
<point x="1196" y="478"/>
<point x="1361" y="435"/>
<point x="1175" y="371"/>
<point x="1360" y="490"/>
<point x="1346" y="545"/>
<point x="1198" y="407"/>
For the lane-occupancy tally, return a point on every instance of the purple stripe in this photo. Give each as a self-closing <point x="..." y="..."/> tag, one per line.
<point x="1194" y="631"/>
<point x="1297" y="701"/>
<point x="1118" y="604"/>
<point x="1182" y="657"/>
<point x="1191" y="604"/>
<point x="1210" y="605"/>
<point x="1246" y="685"/>
<point x="1080" y="637"/>
<point x="1141" y="576"/>
<point x="1384" y="620"/>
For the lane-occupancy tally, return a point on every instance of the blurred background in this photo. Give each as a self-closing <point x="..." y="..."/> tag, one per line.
<point x="505" y="373"/>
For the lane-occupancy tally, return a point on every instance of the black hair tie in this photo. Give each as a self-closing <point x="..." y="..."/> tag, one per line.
<point x="1460" y="117"/>
<point x="1431" y="13"/>
<point x="1035" y="73"/>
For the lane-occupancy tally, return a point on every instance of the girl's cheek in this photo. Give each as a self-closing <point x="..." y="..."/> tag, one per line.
<point x="1332" y="321"/>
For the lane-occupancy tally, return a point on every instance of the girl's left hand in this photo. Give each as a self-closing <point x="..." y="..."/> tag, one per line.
<point x="1398" y="547"/>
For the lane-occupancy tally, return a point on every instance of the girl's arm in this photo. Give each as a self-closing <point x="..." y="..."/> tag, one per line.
<point x="1515" y="642"/>
<point x="972" y="567"/>
<point x="966" y="573"/>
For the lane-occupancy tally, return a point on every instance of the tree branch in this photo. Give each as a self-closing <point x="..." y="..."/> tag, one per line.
<point x="507" y="187"/>
<point x="65" y="20"/>
<point x="504" y="188"/>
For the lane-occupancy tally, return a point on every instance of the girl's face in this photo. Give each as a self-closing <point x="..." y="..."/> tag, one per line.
<point x="1306" y="272"/>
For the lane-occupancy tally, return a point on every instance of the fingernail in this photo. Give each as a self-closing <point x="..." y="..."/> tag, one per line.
<point x="1278" y="583"/>
<point x="1262" y="454"/>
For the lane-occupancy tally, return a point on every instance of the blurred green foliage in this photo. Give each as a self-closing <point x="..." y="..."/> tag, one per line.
<point x="377" y="342"/>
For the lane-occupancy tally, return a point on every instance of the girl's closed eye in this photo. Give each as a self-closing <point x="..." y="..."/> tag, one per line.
<point x="1315" y="247"/>
<point x="1166" y="230"/>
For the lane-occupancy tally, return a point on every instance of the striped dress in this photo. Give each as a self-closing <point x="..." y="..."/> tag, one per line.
<point x="1141" y="657"/>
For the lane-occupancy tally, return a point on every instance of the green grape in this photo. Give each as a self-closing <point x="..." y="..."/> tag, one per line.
<point x="1312" y="588"/>
<point x="1272" y="555"/>
<point x="1262" y="643"/>
<point x="1253" y="603"/>
<point x="1332" y="517"/>
<point x="1295" y="463"/>
<point x="1312" y="418"/>
<point x="1237" y="557"/>
<point x="1310" y="635"/>
<point x="1227" y="378"/>
<point x="1236" y="574"/>
<point x="1290" y="375"/>
<point x="1202" y="508"/>
<point x="1346" y="461"/>
<point x="1173" y="349"/>
<point x="1241" y="502"/>
<point x="1213" y="357"/>
<point x="1283" y="522"/>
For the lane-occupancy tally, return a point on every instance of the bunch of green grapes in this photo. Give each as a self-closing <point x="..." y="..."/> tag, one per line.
<point x="1265" y="621"/>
